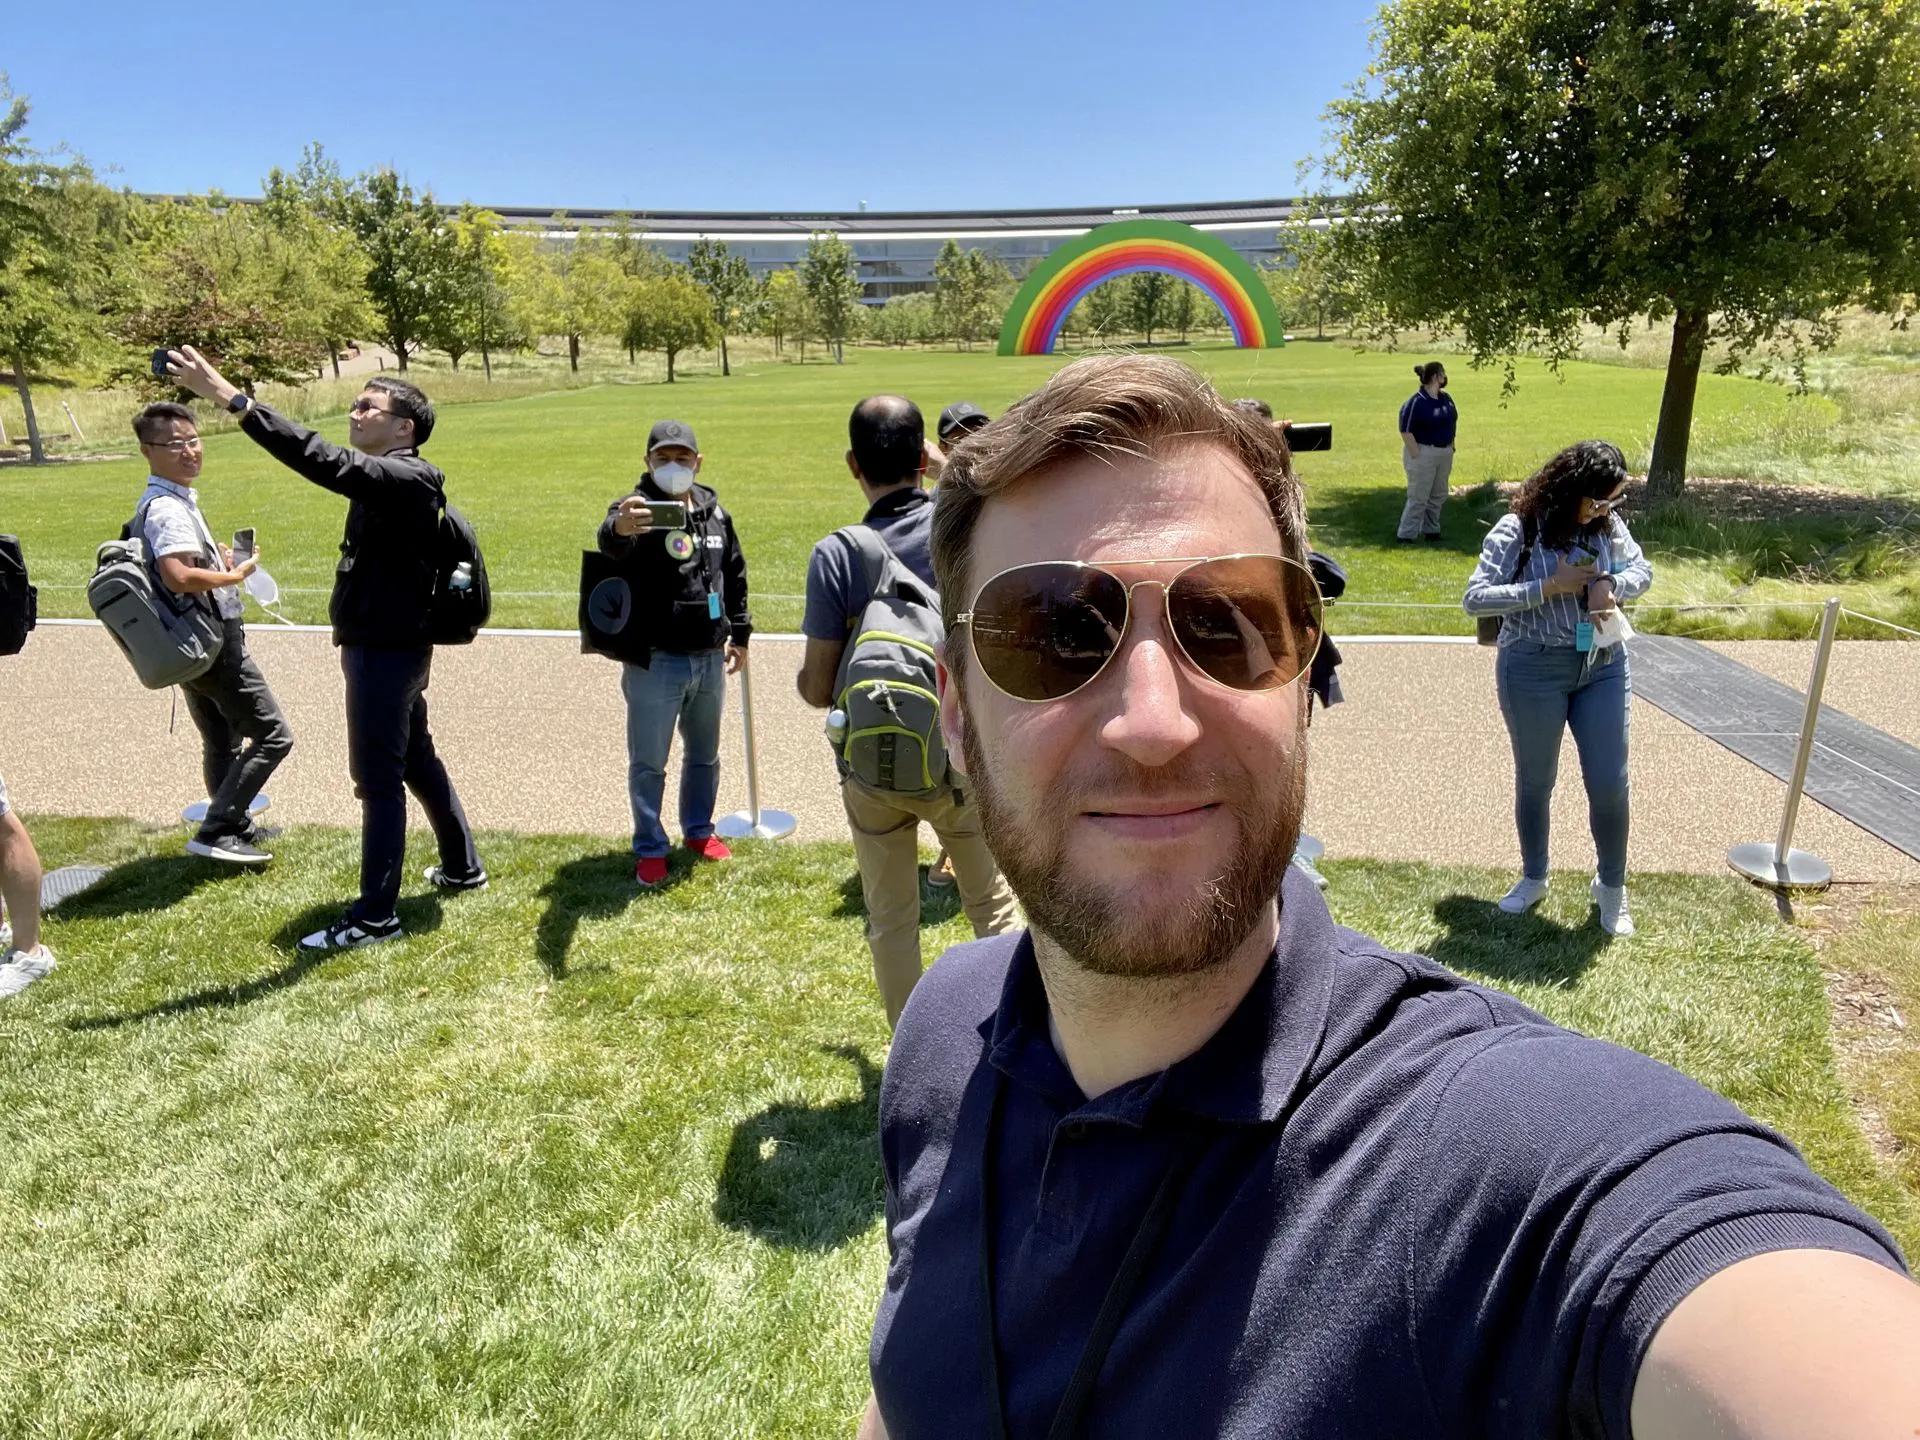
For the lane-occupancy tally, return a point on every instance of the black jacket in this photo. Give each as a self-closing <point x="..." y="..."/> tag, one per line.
<point x="383" y="585"/>
<point x="670" y="601"/>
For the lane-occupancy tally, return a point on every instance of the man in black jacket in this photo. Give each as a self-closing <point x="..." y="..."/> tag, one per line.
<point x="381" y="613"/>
<point x="690" y="598"/>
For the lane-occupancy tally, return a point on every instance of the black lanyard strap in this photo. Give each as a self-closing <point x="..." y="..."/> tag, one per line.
<point x="1113" y="1309"/>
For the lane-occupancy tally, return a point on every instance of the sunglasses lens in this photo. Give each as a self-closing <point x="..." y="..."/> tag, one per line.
<point x="1042" y="631"/>
<point x="1251" y="622"/>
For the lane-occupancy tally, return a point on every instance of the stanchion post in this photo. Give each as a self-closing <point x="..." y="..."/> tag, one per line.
<point x="1779" y="866"/>
<point x="753" y="823"/>
<point x="73" y="420"/>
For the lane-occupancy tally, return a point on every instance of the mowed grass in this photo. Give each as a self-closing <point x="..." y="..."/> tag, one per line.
<point x="575" y="1161"/>
<point x="535" y="473"/>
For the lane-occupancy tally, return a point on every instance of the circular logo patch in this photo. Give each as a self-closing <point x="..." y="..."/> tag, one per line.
<point x="679" y="544"/>
<point x="610" y="605"/>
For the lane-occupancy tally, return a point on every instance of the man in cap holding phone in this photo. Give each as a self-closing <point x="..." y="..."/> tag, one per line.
<point x="689" y="581"/>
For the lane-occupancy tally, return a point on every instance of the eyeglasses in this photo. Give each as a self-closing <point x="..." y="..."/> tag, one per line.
<point x="179" y="447"/>
<point x="363" y="405"/>
<point x="1044" y="631"/>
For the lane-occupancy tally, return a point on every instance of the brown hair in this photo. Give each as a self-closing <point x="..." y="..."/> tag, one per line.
<point x="1104" y="405"/>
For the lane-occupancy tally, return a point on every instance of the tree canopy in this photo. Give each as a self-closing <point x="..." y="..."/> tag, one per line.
<point x="1520" y="167"/>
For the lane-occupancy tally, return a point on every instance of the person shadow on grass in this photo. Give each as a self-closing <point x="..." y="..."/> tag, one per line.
<point x="419" y="915"/>
<point x="807" y="1177"/>
<point x="592" y="888"/>
<point x="1483" y="940"/>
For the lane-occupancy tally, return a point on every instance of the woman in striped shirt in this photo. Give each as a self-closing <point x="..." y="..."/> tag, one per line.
<point x="1549" y="569"/>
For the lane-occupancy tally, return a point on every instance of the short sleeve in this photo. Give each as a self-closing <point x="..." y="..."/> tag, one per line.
<point x="170" y="530"/>
<point x="1577" y="1193"/>
<point x="829" y="576"/>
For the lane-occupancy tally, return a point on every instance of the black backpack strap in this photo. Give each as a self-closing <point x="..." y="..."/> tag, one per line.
<point x="1527" y="537"/>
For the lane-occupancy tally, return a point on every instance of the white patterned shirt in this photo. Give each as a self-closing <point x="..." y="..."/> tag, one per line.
<point x="1530" y="613"/>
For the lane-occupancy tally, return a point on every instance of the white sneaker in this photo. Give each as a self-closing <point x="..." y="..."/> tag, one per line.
<point x="23" y="967"/>
<point x="1526" y="894"/>
<point x="1612" y="900"/>
<point x="345" y="934"/>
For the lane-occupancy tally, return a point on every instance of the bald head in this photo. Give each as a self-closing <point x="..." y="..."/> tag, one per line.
<point x="887" y="440"/>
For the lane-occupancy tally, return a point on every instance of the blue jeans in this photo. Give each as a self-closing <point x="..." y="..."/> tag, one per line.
<point x="689" y="689"/>
<point x="1543" y="690"/>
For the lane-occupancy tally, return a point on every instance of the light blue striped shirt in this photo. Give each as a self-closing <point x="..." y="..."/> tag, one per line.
<point x="1530" y="613"/>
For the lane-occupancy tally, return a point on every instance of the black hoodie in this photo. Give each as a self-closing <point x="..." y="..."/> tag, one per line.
<point x="670" y="603"/>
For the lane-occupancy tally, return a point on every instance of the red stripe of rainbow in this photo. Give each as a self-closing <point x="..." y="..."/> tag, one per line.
<point x="1050" y="307"/>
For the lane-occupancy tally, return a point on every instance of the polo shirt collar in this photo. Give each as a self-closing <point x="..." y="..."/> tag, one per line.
<point x="175" y="489"/>
<point x="897" y="502"/>
<point x="1247" y="1073"/>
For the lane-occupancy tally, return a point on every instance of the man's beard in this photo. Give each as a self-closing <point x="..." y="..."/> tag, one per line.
<point x="1093" y="923"/>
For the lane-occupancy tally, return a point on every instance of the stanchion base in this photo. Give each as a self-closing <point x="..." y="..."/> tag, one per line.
<point x="1760" y="862"/>
<point x="196" y="813"/>
<point x="774" y="825"/>
<point x="1309" y="848"/>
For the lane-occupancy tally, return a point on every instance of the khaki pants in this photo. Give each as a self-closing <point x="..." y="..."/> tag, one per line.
<point x="886" y="842"/>
<point x="1428" y="469"/>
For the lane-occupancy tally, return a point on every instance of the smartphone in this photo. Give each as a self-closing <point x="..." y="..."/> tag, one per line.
<point x="160" y="371"/>
<point x="667" y="514"/>
<point x="1310" y="435"/>
<point x="242" y="544"/>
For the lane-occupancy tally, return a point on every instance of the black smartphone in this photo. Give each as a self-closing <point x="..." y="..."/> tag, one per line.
<point x="1310" y="435"/>
<point x="667" y="514"/>
<point x="242" y="544"/>
<point x="160" y="370"/>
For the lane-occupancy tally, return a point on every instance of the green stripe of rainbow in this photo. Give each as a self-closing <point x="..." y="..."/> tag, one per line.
<point x="1034" y="320"/>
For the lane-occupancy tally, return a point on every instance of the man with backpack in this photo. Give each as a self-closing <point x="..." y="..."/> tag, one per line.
<point x="872" y="625"/>
<point x="689" y="589"/>
<point x="229" y="700"/>
<point x="394" y="597"/>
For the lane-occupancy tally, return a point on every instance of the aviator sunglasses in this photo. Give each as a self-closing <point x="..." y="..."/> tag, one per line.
<point x="1045" y="630"/>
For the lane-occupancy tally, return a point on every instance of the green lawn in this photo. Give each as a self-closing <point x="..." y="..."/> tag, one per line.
<point x="536" y="471"/>
<point x="576" y="1161"/>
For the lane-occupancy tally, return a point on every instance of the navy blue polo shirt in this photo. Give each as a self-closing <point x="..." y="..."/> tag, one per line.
<point x="1430" y="419"/>
<point x="1417" y="1207"/>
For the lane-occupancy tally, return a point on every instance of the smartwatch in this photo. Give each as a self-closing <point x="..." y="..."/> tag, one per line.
<point x="239" y="403"/>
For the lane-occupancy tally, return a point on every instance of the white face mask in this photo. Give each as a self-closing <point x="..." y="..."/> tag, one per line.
<point x="673" y="478"/>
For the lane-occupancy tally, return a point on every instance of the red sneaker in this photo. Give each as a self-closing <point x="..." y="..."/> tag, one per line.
<point x="651" y="870"/>
<point x="711" y="848"/>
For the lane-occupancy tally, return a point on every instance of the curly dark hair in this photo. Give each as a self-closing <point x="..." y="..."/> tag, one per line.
<point x="1589" y="470"/>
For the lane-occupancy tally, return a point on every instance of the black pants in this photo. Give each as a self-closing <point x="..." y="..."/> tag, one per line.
<point x="388" y="748"/>
<point x="231" y="704"/>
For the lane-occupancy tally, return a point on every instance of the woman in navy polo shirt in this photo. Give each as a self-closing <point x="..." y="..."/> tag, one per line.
<point x="1427" y="423"/>
<point x="1550" y="569"/>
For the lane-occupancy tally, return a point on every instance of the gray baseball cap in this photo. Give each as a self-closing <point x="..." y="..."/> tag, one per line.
<point x="671" y="432"/>
<point x="961" y="416"/>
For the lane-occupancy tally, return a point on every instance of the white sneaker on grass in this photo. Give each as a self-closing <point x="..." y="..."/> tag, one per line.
<point x="1526" y="894"/>
<point x="346" y="934"/>
<point x="1612" y="900"/>
<point x="23" y="967"/>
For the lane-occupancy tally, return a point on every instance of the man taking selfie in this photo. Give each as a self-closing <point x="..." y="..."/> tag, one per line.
<point x="1188" y="1158"/>
<point x="381" y="609"/>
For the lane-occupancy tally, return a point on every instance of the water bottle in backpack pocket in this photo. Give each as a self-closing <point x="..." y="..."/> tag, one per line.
<point x="887" y="685"/>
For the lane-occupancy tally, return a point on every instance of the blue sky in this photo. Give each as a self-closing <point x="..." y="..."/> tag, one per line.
<point x="747" y="106"/>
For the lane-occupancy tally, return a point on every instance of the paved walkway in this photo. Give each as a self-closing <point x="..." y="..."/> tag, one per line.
<point x="1414" y="767"/>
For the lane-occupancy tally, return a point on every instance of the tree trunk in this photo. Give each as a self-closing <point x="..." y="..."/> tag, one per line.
<point x="670" y="355"/>
<point x="456" y="361"/>
<point x="1319" y="321"/>
<point x="401" y="350"/>
<point x="334" y="350"/>
<point x="36" y="448"/>
<point x="632" y="359"/>
<point x="486" y="363"/>
<point x="573" y="353"/>
<point x="725" y="368"/>
<point x="1667" y="474"/>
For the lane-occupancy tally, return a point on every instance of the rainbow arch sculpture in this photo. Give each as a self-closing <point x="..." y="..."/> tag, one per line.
<point x="1041" y="305"/>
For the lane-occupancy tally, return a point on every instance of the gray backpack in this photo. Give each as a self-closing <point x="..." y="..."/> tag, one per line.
<point x="167" y="638"/>
<point x="886" y="685"/>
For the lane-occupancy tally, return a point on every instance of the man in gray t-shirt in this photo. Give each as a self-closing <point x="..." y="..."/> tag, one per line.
<point x="243" y="735"/>
<point x="887" y="458"/>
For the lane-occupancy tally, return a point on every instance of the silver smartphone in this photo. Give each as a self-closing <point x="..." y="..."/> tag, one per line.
<point x="242" y="545"/>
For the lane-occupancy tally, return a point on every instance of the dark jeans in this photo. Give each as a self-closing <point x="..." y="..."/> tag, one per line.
<point x="390" y="747"/>
<point x="231" y="704"/>
<point x="1546" y="690"/>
